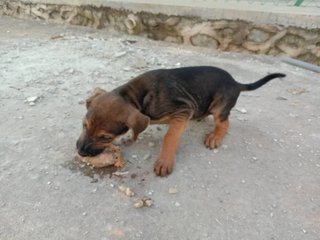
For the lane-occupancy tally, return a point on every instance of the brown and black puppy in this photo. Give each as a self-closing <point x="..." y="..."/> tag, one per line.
<point x="166" y="96"/>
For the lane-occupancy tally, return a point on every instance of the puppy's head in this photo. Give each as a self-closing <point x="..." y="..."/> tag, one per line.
<point x="108" y="116"/>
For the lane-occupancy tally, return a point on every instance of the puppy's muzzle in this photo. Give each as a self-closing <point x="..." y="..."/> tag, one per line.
<point x="85" y="148"/>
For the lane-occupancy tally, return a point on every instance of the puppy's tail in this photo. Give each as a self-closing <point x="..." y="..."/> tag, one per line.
<point x="261" y="82"/>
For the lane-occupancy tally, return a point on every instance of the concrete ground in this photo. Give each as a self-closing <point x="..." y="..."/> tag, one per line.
<point x="263" y="183"/>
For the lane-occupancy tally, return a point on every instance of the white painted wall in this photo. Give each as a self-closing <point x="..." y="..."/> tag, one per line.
<point x="280" y="13"/>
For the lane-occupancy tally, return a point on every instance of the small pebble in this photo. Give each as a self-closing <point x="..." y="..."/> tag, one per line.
<point x="143" y="202"/>
<point x="293" y="115"/>
<point x="281" y="98"/>
<point x="242" y="119"/>
<point x="242" y="110"/>
<point x="151" y="144"/>
<point x="119" y="173"/>
<point x="146" y="156"/>
<point x="148" y="202"/>
<point x="120" y="54"/>
<point x="173" y="190"/>
<point x="84" y="214"/>
<point x="140" y="63"/>
<point x="177" y="204"/>
<point x="32" y="99"/>
<point x="127" y="191"/>
<point x="138" y="203"/>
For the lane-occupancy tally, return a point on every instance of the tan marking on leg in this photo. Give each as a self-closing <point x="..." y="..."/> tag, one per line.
<point x="164" y="165"/>
<point x="119" y="162"/>
<point x="214" y="138"/>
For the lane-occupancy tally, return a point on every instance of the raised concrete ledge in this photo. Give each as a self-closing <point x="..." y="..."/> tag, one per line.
<point x="218" y="31"/>
<point x="305" y="17"/>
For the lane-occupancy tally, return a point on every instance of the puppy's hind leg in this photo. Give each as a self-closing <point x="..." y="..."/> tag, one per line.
<point x="214" y="138"/>
<point x="221" y="122"/>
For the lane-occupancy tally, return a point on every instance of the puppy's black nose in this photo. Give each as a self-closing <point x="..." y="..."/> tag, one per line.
<point x="81" y="145"/>
<point x="89" y="152"/>
<point x="82" y="153"/>
<point x="81" y="149"/>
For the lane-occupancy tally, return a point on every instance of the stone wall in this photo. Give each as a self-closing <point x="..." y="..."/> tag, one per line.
<point x="226" y="35"/>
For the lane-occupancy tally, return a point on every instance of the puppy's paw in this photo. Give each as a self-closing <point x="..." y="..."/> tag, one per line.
<point x="212" y="140"/>
<point x="163" y="167"/>
<point x="119" y="163"/>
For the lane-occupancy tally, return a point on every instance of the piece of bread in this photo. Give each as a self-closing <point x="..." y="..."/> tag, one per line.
<point x="110" y="156"/>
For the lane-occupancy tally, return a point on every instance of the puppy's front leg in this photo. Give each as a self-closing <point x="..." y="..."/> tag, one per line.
<point x="164" y="165"/>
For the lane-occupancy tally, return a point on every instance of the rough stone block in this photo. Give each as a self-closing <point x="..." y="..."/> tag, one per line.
<point x="258" y="36"/>
<point x="203" y="40"/>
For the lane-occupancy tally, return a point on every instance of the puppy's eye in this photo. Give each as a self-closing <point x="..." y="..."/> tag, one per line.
<point x="84" y="125"/>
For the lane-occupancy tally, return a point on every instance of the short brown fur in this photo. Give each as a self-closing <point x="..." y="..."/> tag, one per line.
<point x="167" y="96"/>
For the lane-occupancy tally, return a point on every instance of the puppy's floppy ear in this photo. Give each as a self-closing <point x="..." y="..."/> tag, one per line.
<point x="137" y="121"/>
<point x="96" y="92"/>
